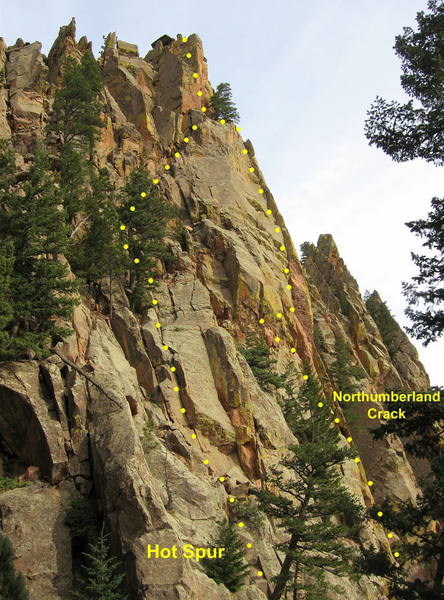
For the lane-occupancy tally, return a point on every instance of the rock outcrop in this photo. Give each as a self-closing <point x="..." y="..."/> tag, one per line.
<point x="239" y="267"/>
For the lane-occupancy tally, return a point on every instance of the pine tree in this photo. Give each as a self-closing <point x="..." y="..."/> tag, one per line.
<point x="388" y="327"/>
<point x="230" y="568"/>
<point x="422" y="430"/>
<point x="405" y="131"/>
<point x="223" y="105"/>
<point x="100" y="251"/>
<point x="425" y="295"/>
<point x="12" y="585"/>
<point x="343" y="370"/>
<point x="314" y="498"/>
<point x="258" y="356"/>
<point x="144" y="214"/>
<point x="76" y="109"/>
<point x="416" y="130"/>
<point x="101" y="580"/>
<point x="33" y="221"/>
<point x="6" y="307"/>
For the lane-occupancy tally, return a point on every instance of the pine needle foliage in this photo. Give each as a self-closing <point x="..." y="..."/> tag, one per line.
<point x="422" y="431"/>
<point x="76" y="110"/>
<point x="223" y="105"/>
<point x="305" y="497"/>
<point x="258" y="356"/>
<point x="37" y="287"/>
<point x="145" y="218"/>
<point x="12" y="585"/>
<point x="425" y="294"/>
<point x="230" y="569"/>
<point x="101" y="579"/>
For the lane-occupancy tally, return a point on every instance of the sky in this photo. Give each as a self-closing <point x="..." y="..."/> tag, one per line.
<point x="303" y="75"/>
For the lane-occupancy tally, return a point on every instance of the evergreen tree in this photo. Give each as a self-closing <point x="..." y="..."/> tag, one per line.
<point x="258" y="356"/>
<point x="408" y="131"/>
<point x="100" y="251"/>
<point x="40" y="291"/>
<point x="144" y="215"/>
<point x="230" y="568"/>
<point x="6" y="307"/>
<point x="404" y="131"/>
<point x="425" y="294"/>
<point x="223" y="105"/>
<point x="387" y="325"/>
<point x="101" y="580"/>
<point x="309" y="499"/>
<point x="12" y="585"/>
<point x="422" y="430"/>
<point x="76" y="110"/>
<point x="75" y="179"/>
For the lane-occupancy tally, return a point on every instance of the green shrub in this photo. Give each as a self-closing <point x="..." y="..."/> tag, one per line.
<point x="258" y="356"/>
<point x="247" y="510"/>
<point x="8" y="483"/>
<point x="81" y="518"/>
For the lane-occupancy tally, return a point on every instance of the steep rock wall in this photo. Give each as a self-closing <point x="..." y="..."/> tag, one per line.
<point x="212" y="419"/>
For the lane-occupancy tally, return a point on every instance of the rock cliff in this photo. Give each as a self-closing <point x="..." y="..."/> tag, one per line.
<point x="237" y="272"/>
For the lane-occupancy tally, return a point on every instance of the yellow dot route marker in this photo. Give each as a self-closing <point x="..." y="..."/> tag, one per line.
<point x="173" y="369"/>
<point x="260" y="191"/>
<point x="165" y="347"/>
<point x="349" y="439"/>
<point x="305" y="377"/>
<point x="320" y="404"/>
<point x="269" y="211"/>
<point x="249" y="545"/>
<point x="132" y="208"/>
<point x="143" y="194"/>
<point x="176" y="388"/>
<point x="380" y="513"/>
<point x="238" y="128"/>
<point x="244" y="151"/>
<point x="357" y="459"/>
<point x="194" y="127"/>
<point x="186" y="140"/>
<point x="194" y="436"/>
<point x="278" y="230"/>
<point x="204" y="109"/>
<point x="241" y="524"/>
<point x="125" y="246"/>
<point x="261" y="321"/>
<point x="199" y="93"/>
<point x="183" y="410"/>
<point x="370" y="483"/>
<point x="337" y="420"/>
<point x="188" y="54"/>
<point x="155" y="181"/>
<point x="293" y="350"/>
<point x="251" y="169"/>
<point x="292" y="309"/>
<point x="277" y="339"/>
<point x="282" y="248"/>
<point x="184" y="40"/>
<point x="177" y="154"/>
<point x="154" y="301"/>
<point x="195" y="75"/>
<point x="167" y="167"/>
<point x="390" y="535"/>
<point x="222" y="121"/>
<point x="260" y="574"/>
<point x="150" y="280"/>
<point x="222" y="479"/>
<point x="137" y="261"/>
<point x="122" y="227"/>
<point x="232" y="500"/>
<point x="158" y="325"/>
<point x="206" y="461"/>
<point x="396" y="554"/>
<point x="278" y="315"/>
<point x="289" y="286"/>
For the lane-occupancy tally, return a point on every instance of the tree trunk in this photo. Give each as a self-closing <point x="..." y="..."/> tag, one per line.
<point x="285" y="569"/>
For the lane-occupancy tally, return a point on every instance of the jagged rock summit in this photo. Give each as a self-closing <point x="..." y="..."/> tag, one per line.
<point x="230" y="273"/>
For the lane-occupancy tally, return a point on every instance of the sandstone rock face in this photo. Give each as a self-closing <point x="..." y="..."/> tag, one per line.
<point x="33" y="517"/>
<point x="187" y="378"/>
